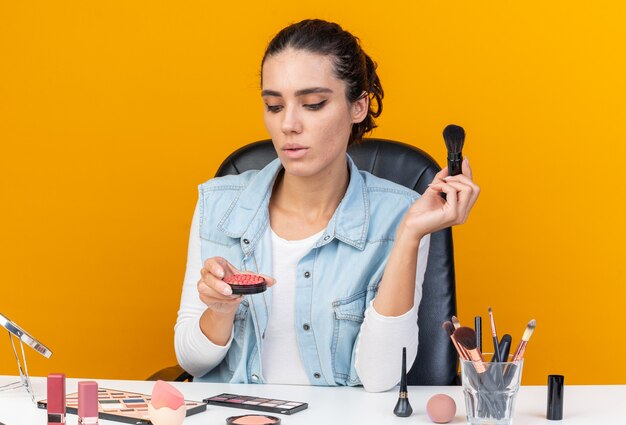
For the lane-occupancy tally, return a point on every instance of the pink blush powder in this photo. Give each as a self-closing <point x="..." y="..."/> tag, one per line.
<point x="254" y="420"/>
<point x="243" y="279"/>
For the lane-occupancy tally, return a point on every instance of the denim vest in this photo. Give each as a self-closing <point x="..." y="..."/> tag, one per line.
<point x="335" y="281"/>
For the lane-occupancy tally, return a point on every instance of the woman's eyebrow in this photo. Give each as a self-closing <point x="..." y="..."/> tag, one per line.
<point x="302" y="92"/>
<point x="271" y="93"/>
<point x="313" y="90"/>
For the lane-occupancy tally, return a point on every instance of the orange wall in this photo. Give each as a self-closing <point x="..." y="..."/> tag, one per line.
<point x="112" y="112"/>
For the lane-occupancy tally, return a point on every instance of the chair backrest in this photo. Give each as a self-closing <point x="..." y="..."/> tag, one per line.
<point x="411" y="167"/>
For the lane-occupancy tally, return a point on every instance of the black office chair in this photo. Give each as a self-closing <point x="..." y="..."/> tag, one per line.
<point x="436" y="362"/>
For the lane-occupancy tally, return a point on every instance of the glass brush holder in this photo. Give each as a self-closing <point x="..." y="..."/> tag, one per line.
<point x="490" y="389"/>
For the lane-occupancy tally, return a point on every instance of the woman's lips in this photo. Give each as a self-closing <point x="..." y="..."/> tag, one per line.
<point x="295" y="152"/>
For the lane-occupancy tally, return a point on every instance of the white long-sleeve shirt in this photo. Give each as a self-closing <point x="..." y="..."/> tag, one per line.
<point x="379" y="346"/>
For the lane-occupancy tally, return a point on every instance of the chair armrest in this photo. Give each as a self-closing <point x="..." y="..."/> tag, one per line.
<point x="172" y="373"/>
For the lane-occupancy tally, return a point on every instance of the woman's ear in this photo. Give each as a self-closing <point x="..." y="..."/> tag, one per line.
<point x="360" y="107"/>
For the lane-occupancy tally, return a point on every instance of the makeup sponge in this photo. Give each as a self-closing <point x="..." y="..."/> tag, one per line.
<point x="167" y="405"/>
<point x="441" y="408"/>
<point x="165" y="395"/>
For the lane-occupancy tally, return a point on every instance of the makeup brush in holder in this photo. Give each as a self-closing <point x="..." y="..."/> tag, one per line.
<point x="494" y="335"/>
<point x="519" y="352"/>
<point x="489" y="387"/>
<point x="505" y="347"/>
<point x="478" y="328"/>
<point x="480" y="376"/>
<point x="403" y="407"/>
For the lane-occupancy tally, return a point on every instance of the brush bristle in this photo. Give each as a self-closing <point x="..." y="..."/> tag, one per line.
<point x="454" y="137"/>
<point x="455" y="322"/>
<point x="448" y="327"/>
<point x="530" y="328"/>
<point x="466" y="337"/>
<point x="493" y="322"/>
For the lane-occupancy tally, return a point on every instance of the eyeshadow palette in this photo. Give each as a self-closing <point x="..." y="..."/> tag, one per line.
<point x="257" y="403"/>
<point x="122" y="406"/>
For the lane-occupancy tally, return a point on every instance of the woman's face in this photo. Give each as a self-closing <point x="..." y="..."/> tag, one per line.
<point x="307" y="113"/>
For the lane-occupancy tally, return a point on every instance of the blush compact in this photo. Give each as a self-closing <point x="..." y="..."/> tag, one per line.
<point x="253" y="420"/>
<point x="246" y="283"/>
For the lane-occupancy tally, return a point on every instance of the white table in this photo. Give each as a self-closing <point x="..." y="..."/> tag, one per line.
<point x="589" y="405"/>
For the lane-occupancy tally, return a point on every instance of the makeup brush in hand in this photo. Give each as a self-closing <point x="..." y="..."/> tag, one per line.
<point x="454" y="137"/>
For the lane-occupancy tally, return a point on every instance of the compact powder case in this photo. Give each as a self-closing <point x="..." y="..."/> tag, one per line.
<point x="253" y="420"/>
<point x="245" y="284"/>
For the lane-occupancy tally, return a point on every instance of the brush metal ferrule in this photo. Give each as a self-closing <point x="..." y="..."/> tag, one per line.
<point x="477" y="360"/>
<point x="454" y="167"/>
<point x="459" y="348"/>
<point x="404" y="394"/>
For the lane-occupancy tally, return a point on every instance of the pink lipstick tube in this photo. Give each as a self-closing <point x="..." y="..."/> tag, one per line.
<point x="87" y="403"/>
<point x="56" y="399"/>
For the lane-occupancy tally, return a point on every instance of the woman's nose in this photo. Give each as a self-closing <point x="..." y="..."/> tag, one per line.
<point x="291" y="121"/>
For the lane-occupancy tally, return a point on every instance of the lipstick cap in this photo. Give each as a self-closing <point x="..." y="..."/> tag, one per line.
<point x="555" y="397"/>
<point x="87" y="399"/>
<point x="56" y="393"/>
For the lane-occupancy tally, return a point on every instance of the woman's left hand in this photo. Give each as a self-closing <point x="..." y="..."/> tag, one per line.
<point x="431" y="212"/>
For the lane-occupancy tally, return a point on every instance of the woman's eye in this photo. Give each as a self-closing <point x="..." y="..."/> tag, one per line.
<point x="274" y="108"/>
<point x="315" y="106"/>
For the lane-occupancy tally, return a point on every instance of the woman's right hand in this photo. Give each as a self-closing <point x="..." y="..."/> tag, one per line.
<point x="216" y="293"/>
